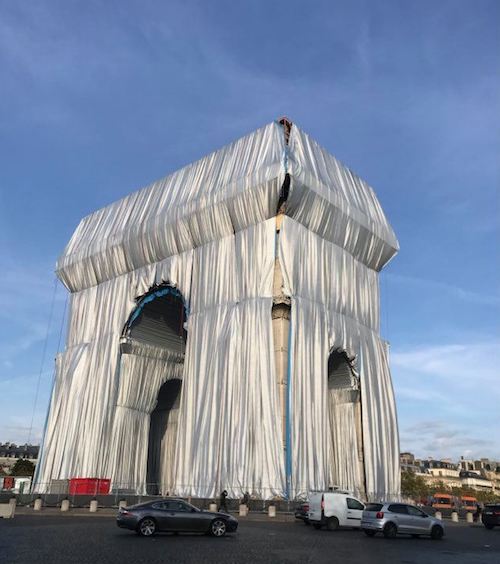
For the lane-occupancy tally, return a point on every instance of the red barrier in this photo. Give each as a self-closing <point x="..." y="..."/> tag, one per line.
<point x="89" y="486"/>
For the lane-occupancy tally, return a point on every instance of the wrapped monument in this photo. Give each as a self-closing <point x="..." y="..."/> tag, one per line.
<point x="224" y="332"/>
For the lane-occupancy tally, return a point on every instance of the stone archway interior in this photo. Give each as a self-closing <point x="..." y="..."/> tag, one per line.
<point x="344" y="409"/>
<point x="154" y="342"/>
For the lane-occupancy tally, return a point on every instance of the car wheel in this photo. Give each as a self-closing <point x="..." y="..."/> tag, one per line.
<point x="390" y="531"/>
<point x="489" y="527"/>
<point x="147" y="527"/>
<point x="369" y="533"/>
<point x="218" y="528"/>
<point x="332" y="524"/>
<point x="437" y="532"/>
<point x="317" y="526"/>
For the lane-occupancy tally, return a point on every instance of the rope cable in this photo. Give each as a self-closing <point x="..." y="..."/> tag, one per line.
<point x="62" y="323"/>
<point x="44" y="351"/>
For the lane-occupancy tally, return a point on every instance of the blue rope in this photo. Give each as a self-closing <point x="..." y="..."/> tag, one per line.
<point x="152" y="296"/>
<point x="288" y="438"/>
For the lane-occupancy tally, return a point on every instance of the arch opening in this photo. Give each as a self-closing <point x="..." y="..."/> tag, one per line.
<point x="162" y="438"/>
<point x="158" y="321"/>
<point x="344" y="408"/>
<point x="152" y="348"/>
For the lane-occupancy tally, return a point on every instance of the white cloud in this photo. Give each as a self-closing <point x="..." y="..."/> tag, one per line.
<point x="464" y="364"/>
<point x="441" y="439"/>
<point x="448" y="398"/>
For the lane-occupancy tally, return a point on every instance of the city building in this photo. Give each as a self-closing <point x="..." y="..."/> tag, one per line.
<point x="10" y="452"/>
<point x="480" y="475"/>
<point x="224" y="332"/>
<point x="474" y="480"/>
<point x="409" y="463"/>
<point x="442" y="471"/>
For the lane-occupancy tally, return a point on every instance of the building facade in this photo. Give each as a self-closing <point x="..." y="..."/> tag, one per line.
<point x="482" y="475"/>
<point x="10" y="452"/>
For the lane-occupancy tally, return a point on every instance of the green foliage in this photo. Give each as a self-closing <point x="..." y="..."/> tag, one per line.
<point x="440" y="487"/>
<point x="413" y="486"/>
<point x="23" y="467"/>
<point x="485" y="497"/>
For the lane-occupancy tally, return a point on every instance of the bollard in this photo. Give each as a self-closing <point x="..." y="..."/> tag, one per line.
<point x="454" y="516"/>
<point x="469" y="517"/>
<point x="93" y="506"/>
<point x="438" y="515"/>
<point x="38" y="504"/>
<point x="7" y="510"/>
<point x="243" y="510"/>
<point x="272" y="511"/>
<point x="122" y="503"/>
<point x="65" y="505"/>
<point x="213" y="507"/>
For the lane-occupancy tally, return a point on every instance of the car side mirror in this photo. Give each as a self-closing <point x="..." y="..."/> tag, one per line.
<point x="193" y="510"/>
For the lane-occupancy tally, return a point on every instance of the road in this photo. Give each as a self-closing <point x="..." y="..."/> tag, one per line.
<point x="58" y="539"/>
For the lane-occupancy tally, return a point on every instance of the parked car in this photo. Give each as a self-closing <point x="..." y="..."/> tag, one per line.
<point x="392" y="519"/>
<point x="174" y="515"/>
<point x="491" y="515"/>
<point x="334" y="509"/>
<point x="302" y="512"/>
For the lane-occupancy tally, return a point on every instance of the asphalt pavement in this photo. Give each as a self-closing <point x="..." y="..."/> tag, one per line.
<point x="95" y="539"/>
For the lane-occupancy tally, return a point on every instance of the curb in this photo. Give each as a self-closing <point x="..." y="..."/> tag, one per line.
<point x="111" y="513"/>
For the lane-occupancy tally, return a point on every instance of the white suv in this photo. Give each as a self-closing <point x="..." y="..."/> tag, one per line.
<point x="335" y="509"/>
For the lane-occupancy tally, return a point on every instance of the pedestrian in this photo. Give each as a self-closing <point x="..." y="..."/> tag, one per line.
<point x="477" y="514"/>
<point x="222" y="501"/>
<point x="246" y="500"/>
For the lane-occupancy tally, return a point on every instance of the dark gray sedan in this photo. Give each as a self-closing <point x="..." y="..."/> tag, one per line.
<point x="174" y="515"/>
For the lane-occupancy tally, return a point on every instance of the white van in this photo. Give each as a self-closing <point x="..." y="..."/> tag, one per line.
<point x="335" y="509"/>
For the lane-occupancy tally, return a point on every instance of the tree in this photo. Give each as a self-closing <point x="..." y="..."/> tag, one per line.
<point x="439" y="487"/>
<point x="413" y="486"/>
<point x="23" y="467"/>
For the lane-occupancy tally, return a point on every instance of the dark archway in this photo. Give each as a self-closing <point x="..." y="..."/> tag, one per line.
<point x="158" y="320"/>
<point x="162" y="444"/>
<point x="344" y="407"/>
<point x="340" y="372"/>
<point x="156" y="332"/>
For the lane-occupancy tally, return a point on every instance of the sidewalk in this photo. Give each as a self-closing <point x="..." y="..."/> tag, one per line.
<point x="108" y="512"/>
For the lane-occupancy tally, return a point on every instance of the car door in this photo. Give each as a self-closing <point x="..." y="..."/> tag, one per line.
<point x="399" y="514"/>
<point x="183" y="517"/>
<point x="354" y="512"/>
<point x="418" y="521"/>
<point x="159" y="511"/>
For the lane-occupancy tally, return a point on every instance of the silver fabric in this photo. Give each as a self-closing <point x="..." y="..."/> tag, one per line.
<point x="336" y="309"/>
<point x="209" y="231"/>
<point x="224" y="192"/>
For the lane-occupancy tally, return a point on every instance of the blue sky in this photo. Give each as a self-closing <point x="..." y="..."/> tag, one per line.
<point x="98" y="99"/>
